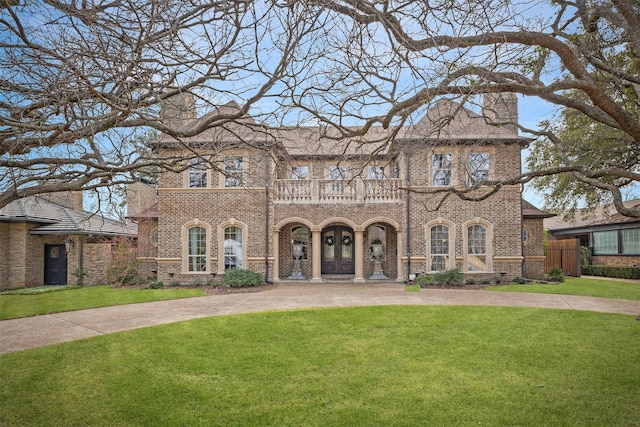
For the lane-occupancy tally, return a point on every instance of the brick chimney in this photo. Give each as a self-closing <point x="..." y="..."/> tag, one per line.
<point x="501" y="109"/>
<point x="179" y="110"/>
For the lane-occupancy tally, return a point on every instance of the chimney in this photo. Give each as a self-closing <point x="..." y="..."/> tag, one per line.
<point x="178" y="110"/>
<point x="501" y="109"/>
<point x="69" y="199"/>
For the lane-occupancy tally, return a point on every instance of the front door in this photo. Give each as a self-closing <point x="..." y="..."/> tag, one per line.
<point x="55" y="265"/>
<point x="337" y="250"/>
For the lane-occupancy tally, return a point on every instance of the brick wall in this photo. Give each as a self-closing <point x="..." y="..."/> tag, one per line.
<point x="617" y="260"/>
<point x="214" y="206"/>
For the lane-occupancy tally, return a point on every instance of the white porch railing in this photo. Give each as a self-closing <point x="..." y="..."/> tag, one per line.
<point x="337" y="191"/>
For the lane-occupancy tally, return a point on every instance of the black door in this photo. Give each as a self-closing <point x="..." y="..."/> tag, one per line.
<point x="55" y="265"/>
<point x="337" y="251"/>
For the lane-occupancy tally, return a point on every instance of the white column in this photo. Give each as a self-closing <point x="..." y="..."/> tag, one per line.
<point x="316" y="262"/>
<point x="399" y="247"/>
<point x="359" y="256"/>
<point x="276" y="256"/>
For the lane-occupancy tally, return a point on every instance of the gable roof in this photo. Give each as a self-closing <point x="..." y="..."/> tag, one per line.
<point x="56" y="219"/>
<point x="530" y="211"/>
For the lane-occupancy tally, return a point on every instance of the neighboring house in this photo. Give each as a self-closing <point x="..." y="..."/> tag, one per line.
<point x="300" y="203"/>
<point x="612" y="239"/>
<point x="47" y="240"/>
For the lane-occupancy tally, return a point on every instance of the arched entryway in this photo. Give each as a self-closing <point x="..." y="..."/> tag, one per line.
<point x="338" y="250"/>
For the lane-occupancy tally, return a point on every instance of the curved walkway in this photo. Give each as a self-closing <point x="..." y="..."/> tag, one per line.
<point x="38" y="331"/>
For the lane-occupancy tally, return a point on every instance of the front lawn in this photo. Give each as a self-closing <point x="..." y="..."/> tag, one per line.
<point x="401" y="365"/>
<point x="579" y="286"/>
<point x="14" y="306"/>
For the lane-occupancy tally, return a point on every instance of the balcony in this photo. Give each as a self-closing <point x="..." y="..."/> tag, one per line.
<point x="338" y="191"/>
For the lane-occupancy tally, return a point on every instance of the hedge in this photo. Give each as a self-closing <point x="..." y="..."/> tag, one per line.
<point x="610" y="271"/>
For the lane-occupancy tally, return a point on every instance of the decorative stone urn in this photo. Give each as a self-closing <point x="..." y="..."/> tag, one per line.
<point x="377" y="253"/>
<point x="296" y="274"/>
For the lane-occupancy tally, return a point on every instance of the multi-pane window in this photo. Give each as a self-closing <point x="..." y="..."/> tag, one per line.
<point x="442" y="170"/>
<point x="233" y="167"/>
<point x="477" y="248"/>
<point x="375" y="172"/>
<point x="478" y="168"/>
<point x="197" y="173"/>
<point x="605" y="242"/>
<point x="197" y="250"/>
<point x="233" y="254"/>
<point x="300" y="172"/>
<point x="617" y="242"/>
<point x="300" y="236"/>
<point x="439" y="257"/>
<point x="631" y="241"/>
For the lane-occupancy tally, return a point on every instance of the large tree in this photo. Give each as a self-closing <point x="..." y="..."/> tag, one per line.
<point x="80" y="79"/>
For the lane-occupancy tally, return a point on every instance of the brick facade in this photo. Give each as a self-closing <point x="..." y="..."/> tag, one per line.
<point x="271" y="206"/>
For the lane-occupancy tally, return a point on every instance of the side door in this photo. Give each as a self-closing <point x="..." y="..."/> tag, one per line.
<point x="55" y="265"/>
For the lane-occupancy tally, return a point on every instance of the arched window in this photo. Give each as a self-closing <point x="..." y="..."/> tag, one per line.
<point x="477" y="248"/>
<point x="439" y="258"/>
<point x="232" y="247"/>
<point x="197" y="249"/>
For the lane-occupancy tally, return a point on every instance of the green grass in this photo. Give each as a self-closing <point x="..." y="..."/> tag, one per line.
<point x="408" y="365"/>
<point x="14" y="306"/>
<point x="580" y="286"/>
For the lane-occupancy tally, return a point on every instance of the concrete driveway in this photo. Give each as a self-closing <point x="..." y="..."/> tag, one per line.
<point x="38" y="331"/>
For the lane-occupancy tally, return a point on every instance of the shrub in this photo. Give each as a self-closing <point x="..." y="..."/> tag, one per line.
<point x="174" y="283"/>
<point x="449" y="278"/>
<point x="497" y="280"/>
<point x="520" y="280"/>
<point x="156" y="284"/>
<point x="470" y="281"/>
<point x="424" y="280"/>
<point x="242" y="278"/>
<point x="610" y="271"/>
<point x="555" y="275"/>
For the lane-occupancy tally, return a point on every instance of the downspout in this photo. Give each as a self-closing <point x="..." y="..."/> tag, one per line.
<point x="267" y="228"/>
<point x="80" y="262"/>
<point x="408" y="212"/>
<point x="522" y="264"/>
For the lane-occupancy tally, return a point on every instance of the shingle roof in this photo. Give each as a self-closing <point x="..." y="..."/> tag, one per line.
<point x="530" y="211"/>
<point x="57" y="219"/>
<point x="583" y="217"/>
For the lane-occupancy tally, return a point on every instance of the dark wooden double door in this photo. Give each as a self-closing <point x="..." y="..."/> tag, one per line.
<point x="337" y="250"/>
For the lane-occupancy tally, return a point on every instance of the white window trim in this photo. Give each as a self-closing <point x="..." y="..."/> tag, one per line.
<point x="231" y="223"/>
<point x="186" y="178"/>
<point x="452" y="169"/>
<point x="451" y="264"/>
<point x="185" y="246"/>
<point x="489" y="241"/>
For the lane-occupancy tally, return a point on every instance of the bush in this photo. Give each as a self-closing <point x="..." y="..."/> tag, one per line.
<point x="242" y="278"/>
<point x="555" y="275"/>
<point x="449" y="278"/>
<point x="497" y="280"/>
<point x="156" y="284"/>
<point x="470" y="281"/>
<point x="174" y="283"/>
<point x="610" y="271"/>
<point x="520" y="280"/>
<point x="424" y="280"/>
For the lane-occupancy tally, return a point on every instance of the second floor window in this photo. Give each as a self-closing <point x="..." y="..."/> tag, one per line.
<point x="233" y="168"/>
<point x="478" y="168"/>
<point x="442" y="169"/>
<point x="375" y="172"/>
<point x="300" y="172"/>
<point x="197" y="173"/>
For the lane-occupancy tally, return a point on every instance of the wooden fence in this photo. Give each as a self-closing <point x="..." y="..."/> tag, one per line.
<point x="564" y="254"/>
